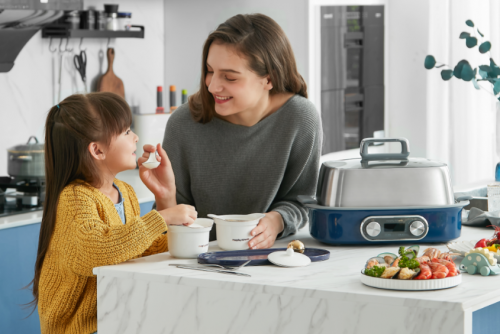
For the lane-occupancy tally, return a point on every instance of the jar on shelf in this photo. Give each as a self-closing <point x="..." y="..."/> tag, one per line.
<point x="124" y="21"/>
<point x="100" y="20"/>
<point x="111" y="17"/>
<point x="72" y="19"/>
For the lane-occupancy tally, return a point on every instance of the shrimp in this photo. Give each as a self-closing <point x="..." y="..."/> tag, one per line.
<point x="450" y="265"/>
<point x="432" y="253"/>
<point x="425" y="272"/>
<point x="438" y="270"/>
<point x="423" y="259"/>
<point x="395" y="263"/>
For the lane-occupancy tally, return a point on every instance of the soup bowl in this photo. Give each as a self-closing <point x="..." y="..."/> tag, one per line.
<point x="186" y="242"/>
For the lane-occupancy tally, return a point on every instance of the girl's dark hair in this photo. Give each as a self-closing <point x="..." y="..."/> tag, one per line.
<point x="264" y="44"/>
<point x="70" y="127"/>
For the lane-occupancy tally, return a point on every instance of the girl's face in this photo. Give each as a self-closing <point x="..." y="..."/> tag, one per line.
<point x="235" y="88"/>
<point x="120" y="155"/>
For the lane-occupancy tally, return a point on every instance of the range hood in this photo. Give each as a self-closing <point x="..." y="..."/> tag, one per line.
<point x="21" y="19"/>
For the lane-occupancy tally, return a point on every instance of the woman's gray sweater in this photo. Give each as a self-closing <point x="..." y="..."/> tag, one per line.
<point x="223" y="168"/>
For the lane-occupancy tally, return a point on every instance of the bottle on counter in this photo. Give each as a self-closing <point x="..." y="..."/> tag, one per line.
<point x="173" y="103"/>
<point x="111" y="17"/>
<point x="184" y="96"/>
<point x="159" y="100"/>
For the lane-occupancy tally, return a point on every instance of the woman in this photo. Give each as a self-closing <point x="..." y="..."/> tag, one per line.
<point x="249" y="140"/>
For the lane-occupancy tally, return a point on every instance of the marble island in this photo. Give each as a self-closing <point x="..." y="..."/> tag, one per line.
<point x="148" y="296"/>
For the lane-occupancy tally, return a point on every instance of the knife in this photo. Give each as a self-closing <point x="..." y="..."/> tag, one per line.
<point x="210" y="269"/>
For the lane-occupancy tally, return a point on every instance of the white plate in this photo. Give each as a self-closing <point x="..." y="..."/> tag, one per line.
<point x="461" y="247"/>
<point x="411" y="285"/>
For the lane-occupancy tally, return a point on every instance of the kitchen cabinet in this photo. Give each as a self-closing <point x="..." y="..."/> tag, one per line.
<point x="148" y="296"/>
<point x="18" y="247"/>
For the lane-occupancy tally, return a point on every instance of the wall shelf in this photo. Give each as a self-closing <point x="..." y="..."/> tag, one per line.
<point x="62" y="31"/>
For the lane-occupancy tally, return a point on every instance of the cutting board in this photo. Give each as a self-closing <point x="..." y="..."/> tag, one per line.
<point x="109" y="82"/>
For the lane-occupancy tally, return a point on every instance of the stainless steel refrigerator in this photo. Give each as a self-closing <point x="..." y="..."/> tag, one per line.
<point x="352" y="75"/>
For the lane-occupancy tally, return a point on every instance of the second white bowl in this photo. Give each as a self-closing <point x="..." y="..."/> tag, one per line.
<point x="235" y="234"/>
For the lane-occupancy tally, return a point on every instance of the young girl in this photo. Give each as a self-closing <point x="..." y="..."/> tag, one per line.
<point x="249" y="140"/>
<point x="91" y="219"/>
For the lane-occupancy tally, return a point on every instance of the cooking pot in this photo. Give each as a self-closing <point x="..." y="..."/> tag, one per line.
<point x="26" y="161"/>
<point x="384" y="198"/>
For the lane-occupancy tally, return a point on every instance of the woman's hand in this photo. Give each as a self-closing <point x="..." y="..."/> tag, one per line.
<point x="181" y="214"/>
<point x="266" y="232"/>
<point x="161" y="180"/>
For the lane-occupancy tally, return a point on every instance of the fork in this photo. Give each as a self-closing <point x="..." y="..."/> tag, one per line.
<point x="226" y="267"/>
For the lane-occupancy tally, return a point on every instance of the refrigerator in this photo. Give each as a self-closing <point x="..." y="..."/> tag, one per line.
<point x="352" y="75"/>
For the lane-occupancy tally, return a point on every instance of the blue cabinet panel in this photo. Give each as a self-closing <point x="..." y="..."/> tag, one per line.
<point x="484" y="321"/>
<point x="146" y="207"/>
<point x="18" y="247"/>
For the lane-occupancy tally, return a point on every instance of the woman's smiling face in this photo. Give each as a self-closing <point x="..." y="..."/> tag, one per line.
<point x="235" y="88"/>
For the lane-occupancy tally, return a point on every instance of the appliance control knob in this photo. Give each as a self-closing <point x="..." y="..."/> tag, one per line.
<point x="373" y="229"/>
<point x="417" y="228"/>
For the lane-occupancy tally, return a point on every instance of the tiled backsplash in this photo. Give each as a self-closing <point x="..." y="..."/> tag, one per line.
<point x="29" y="90"/>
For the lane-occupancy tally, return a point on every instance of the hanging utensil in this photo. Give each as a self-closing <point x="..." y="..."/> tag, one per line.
<point x="80" y="62"/>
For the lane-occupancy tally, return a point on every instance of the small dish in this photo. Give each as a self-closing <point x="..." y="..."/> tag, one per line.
<point x="289" y="259"/>
<point x="461" y="247"/>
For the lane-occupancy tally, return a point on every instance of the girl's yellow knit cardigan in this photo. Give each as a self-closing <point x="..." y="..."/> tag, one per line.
<point x="89" y="233"/>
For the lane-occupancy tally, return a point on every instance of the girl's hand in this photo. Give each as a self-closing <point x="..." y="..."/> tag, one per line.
<point x="161" y="180"/>
<point x="181" y="214"/>
<point x="266" y="232"/>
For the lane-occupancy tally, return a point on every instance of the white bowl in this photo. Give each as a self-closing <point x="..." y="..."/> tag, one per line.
<point x="187" y="243"/>
<point x="234" y="235"/>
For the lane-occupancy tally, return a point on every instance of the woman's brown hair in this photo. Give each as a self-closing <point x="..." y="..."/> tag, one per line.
<point x="265" y="46"/>
<point x="69" y="129"/>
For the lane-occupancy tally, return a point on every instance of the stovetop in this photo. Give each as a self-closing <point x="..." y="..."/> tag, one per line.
<point x="21" y="195"/>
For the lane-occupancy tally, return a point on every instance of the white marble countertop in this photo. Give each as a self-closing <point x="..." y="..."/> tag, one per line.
<point x="338" y="277"/>
<point x="130" y="176"/>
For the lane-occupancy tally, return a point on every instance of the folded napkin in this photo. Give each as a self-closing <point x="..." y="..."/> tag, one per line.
<point x="480" y="218"/>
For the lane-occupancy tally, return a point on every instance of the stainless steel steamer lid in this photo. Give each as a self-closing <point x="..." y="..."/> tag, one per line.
<point x="28" y="148"/>
<point x="384" y="180"/>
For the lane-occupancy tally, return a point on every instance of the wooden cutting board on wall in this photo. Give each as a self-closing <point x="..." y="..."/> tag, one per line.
<point x="109" y="82"/>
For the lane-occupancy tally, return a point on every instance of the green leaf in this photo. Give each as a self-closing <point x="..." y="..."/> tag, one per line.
<point x="469" y="23"/>
<point x="467" y="72"/>
<point x="464" y="35"/>
<point x="496" y="87"/>
<point x="482" y="73"/>
<point x="495" y="70"/>
<point x="446" y="74"/>
<point x="429" y="62"/>
<point x="476" y="85"/>
<point x="485" y="47"/>
<point x="457" y="71"/>
<point x="442" y="65"/>
<point x="471" y="42"/>
<point x="480" y="33"/>
<point x="485" y="68"/>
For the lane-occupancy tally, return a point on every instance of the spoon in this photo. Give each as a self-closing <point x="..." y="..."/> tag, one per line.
<point x="151" y="163"/>
<point x="225" y="219"/>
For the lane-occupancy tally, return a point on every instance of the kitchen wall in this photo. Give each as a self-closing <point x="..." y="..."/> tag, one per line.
<point x="30" y="88"/>
<point x="188" y="23"/>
